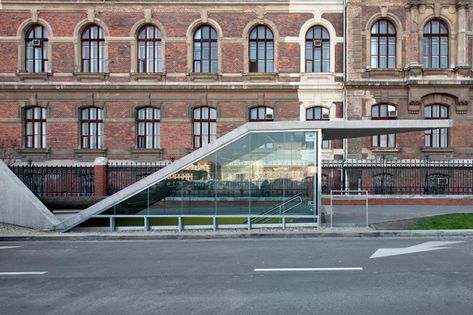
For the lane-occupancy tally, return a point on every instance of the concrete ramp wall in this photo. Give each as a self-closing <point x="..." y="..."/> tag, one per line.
<point x="19" y="206"/>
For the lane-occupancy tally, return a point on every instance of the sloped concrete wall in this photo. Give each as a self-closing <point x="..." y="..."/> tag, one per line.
<point x="19" y="206"/>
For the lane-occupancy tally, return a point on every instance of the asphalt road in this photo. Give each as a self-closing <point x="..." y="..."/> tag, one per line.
<point x="219" y="277"/>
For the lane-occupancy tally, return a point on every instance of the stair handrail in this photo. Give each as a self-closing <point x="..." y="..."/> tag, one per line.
<point x="280" y="207"/>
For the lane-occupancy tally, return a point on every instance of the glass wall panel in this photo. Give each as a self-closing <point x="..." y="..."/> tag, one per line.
<point x="262" y="173"/>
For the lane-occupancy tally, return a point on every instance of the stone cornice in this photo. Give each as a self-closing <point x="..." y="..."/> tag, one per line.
<point x="140" y="87"/>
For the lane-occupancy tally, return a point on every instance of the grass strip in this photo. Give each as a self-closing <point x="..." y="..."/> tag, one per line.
<point x="456" y="221"/>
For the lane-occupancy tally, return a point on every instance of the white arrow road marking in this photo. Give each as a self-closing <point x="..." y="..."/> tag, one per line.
<point x="424" y="247"/>
<point x="8" y="247"/>
<point x="26" y="273"/>
<point x="310" y="269"/>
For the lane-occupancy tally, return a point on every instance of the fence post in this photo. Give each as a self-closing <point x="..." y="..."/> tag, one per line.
<point x="100" y="176"/>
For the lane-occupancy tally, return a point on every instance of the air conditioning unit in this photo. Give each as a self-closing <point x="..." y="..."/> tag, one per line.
<point x="317" y="43"/>
<point x="392" y="113"/>
<point x="325" y="116"/>
<point x="442" y="181"/>
<point x="36" y="42"/>
<point x="269" y="116"/>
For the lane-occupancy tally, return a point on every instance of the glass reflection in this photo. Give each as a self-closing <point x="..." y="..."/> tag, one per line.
<point x="264" y="173"/>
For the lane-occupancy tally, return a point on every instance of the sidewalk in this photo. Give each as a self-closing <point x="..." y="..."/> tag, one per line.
<point x="17" y="234"/>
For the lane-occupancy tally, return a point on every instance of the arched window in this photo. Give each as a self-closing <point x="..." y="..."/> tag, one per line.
<point x="436" y="184"/>
<point x="205" y="126"/>
<point x="383" y="184"/>
<point x="318" y="113"/>
<point x="436" y="138"/>
<point x="149" y="49"/>
<point x="148" y="120"/>
<point x="91" y="128"/>
<point x="35" y="127"/>
<point x="436" y="44"/>
<point x="205" y="49"/>
<point x="383" y="45"/>
<point x="317" y="50"/>
<point x="93" y="49"/>
<point x="261" y="46"/>
<point x="381" y="112"/>
<point x="261" y="113"/>
<point x="36" y="45"/>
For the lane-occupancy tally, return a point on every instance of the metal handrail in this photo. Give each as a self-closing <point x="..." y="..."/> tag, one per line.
<point x="280" y="207"/>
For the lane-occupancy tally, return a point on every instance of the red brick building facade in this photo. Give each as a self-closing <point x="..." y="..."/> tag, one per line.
<point x="147" y="80"/>
<point x="414" y="59"/>
<point x="90" y="96"/>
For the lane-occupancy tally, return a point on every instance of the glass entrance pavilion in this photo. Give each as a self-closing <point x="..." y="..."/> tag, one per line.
<point x="258" y="175"/>
<point x="266" y="176"/>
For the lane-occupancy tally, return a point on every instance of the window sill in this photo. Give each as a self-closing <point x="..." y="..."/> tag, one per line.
<point x="204" y="76"/>
<point x="436" y="150"/>
<point x="438" y="71"/>
<point x="384" y="150"/>
<point x="32" y="151"/>
<point x="381" y="73"/>
<point x="36" y="76"/>
<point x="384" y="70"/>
<point x="261" y="76"/>
<point x="142" y="76"/>
<point x="91" y="76"/>
<point x="93" y="152"/>
<point x="147" y="151"/>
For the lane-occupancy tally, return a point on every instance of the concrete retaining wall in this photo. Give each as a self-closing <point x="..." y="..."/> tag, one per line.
<point x="19" y="206"/>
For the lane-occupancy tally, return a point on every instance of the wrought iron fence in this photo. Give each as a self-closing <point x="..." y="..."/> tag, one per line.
<point x="378" y="177"/>
<point x="121" y="175"/>
<point x="55" y="181"/>
<point x="400" y="177"/>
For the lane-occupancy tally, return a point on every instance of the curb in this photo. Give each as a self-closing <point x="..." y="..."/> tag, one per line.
<point x="260" y="235"/>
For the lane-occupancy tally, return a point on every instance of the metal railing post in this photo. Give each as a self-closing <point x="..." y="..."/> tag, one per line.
<point x="331" y="209"/>
<point x="146" y="224"/>
<point x="366" y="205"/>
<point x="112" y="224"/>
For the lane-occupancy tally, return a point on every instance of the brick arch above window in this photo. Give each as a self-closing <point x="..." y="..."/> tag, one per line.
<point x="149" y="49"/>
<point x="21" y="34"/>
<point x="261" y="36"/>
<point x="333" y="40"/>
<point x="78" y="31"/>
<point x="317" y="49"/>
<point x="383" y="44"/>
<point x="246" y="37"/>
<point x="383" y="111"/>
<point x="193" y="27"/>
<point x="134" y="34"/>
<point x="439" y="98"/>
<point x="436" y="44"/>
<point x="205" y="38"/>
<point x="396" y="22"/>
<point x="317" y="113"/>
<point x="261" y="113"/>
